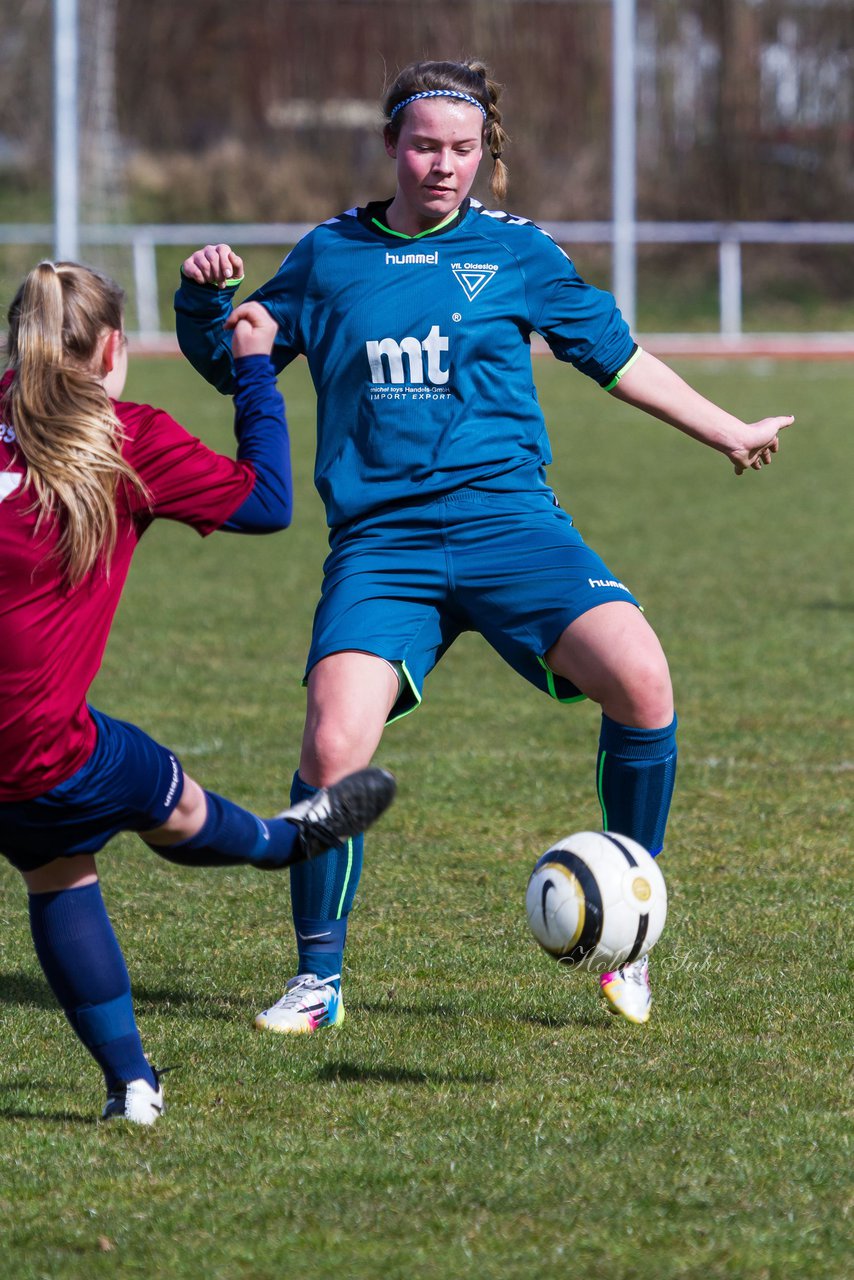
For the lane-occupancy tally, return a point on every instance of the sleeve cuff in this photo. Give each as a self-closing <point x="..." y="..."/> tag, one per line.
<point x="210" y="287"/>
<point x="609" y="386"/>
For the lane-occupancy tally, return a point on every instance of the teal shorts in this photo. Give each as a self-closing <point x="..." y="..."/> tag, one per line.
<point x="404" y="583"/>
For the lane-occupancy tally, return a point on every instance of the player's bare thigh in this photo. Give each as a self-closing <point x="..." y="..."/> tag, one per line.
<point x="613" y="655"/>
<point x="186" y="819"/>
<point x="62" y="873"/>
<point x="349" y="697"/>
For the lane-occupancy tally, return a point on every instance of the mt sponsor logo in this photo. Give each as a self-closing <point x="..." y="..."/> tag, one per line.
<point x="409" y="362"/>
<point x="473" y="276"/>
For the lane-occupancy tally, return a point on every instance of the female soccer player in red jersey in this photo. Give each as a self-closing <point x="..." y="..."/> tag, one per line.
<point x="82" y="475"/>
<point x="415" y="315"/>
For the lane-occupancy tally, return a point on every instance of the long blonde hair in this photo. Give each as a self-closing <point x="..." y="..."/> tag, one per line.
<point x="64" y="422"/>
<point x="471" y="77"/>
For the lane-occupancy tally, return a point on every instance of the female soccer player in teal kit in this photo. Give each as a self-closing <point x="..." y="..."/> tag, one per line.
<point x="415" y="315"/>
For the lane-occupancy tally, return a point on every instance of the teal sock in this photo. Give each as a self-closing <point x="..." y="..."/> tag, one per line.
<point x="322" y="892"/>
<point x="635" y="775"/>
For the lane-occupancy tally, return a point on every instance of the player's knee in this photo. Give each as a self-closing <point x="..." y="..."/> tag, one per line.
<point x="644" y="696"/>
<point x="335" y="749"/>
<point x="186" y="818"/>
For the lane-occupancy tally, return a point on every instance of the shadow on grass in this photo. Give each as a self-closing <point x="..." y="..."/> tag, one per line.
<point x="25" y="989"/>
<point x="51" y="1117"/>
<point x="31" y="990"/>
<point x="13" y="1110"/>
<point x="158" y="1000"/>
<point x="443" y="1013"/>
<point x="358" y="1073"/>
<point x="560" y="1024"/>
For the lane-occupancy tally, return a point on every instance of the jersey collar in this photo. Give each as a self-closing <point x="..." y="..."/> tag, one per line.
<point x="373" y="217"/>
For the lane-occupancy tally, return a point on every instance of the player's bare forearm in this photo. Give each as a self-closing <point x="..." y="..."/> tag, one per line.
<point x="658" y="390"/>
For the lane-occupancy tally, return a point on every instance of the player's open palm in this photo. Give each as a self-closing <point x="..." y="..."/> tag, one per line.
<point x="254" y="330"/>
<point x="760" y="440"/>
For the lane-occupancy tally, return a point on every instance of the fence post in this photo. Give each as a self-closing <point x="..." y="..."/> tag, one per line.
<point x="66" y="142"/>
<point x="145" y="287"/>
<point x="624" y="160"/>
<point x="729" y="283"/>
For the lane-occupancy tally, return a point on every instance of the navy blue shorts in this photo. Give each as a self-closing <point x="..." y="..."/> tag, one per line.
<point x="129" y="783"/>
<point x="512" y="566"/>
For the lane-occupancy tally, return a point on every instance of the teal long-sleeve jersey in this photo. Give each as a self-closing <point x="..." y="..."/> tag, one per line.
<point x="419" y="350"/>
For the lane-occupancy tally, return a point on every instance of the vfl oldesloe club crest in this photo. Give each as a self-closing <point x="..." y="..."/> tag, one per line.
<point x="473" y="276"/>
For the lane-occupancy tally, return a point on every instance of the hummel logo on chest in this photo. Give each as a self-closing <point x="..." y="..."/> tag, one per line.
<point x="412" y="259"/>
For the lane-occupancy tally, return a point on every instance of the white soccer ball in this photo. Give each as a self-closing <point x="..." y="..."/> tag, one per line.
<point x="596" y="900"/>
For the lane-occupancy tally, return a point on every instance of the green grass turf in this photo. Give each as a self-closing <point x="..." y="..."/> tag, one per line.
<point x="479" y="1113"/>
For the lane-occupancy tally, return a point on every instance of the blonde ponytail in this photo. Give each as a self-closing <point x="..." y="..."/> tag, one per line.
<point x="64" y="423"/>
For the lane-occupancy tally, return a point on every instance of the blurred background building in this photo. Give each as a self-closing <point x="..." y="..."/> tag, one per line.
<point x="213" y="111"/>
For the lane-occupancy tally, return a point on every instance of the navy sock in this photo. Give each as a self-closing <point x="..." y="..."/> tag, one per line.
<point x="231" y="836"/>
<point x="635" y="775"/>
<point x="81" y="958"/>
<point x="322" y="893"/>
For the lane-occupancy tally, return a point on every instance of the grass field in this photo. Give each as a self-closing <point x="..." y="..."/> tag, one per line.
<point x="479" y="1114"/>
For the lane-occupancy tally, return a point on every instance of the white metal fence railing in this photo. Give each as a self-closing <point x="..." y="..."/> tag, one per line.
<point x="144" y="239"/>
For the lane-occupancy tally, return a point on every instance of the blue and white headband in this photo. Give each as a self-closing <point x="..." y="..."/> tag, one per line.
<point x="438" y="93"/>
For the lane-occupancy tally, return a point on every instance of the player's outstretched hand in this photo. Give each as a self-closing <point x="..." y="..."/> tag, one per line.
<point x="760" y="440"/>
<point x="254" y="330"/>
<point x="215" y="264"/>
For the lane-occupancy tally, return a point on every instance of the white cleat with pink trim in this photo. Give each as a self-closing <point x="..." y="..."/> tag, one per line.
<point x="627" y="991"/>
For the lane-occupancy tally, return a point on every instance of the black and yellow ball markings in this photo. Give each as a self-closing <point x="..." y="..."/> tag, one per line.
<point x="589" y="931"/>
<point x="643" y="920"/>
